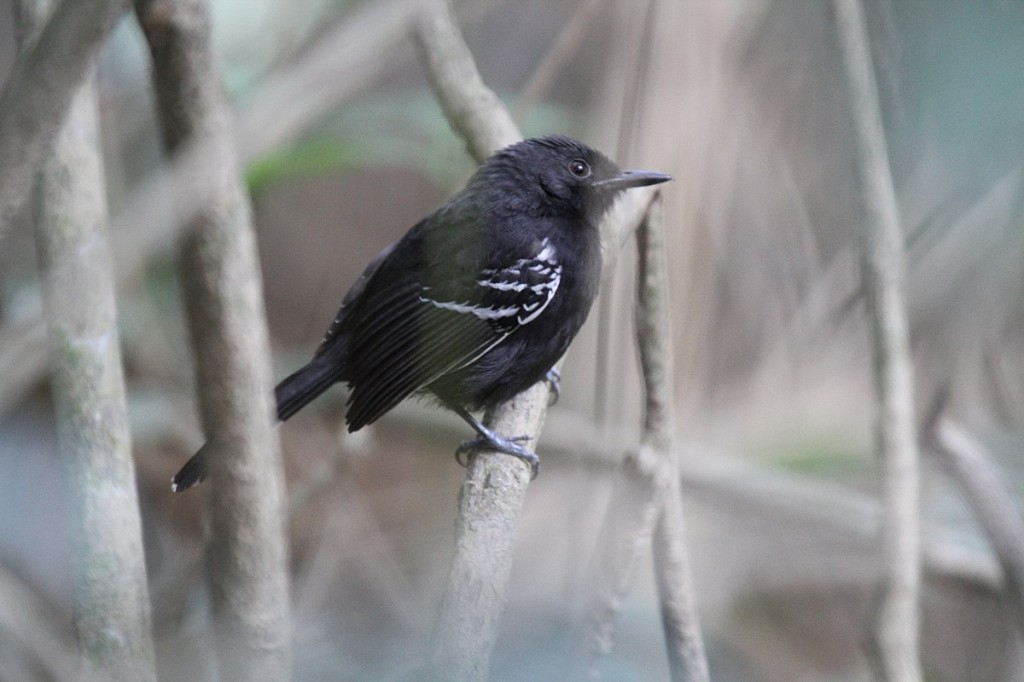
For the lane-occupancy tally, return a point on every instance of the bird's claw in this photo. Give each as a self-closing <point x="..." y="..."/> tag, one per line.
<point x="508" y="446"/>
<point x="554" y="379"/>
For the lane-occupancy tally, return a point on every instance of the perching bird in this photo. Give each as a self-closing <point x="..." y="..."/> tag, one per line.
<point x="477" y="301"/>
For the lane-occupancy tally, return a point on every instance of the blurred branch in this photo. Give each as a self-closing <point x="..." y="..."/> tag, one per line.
<point x="895" y="634"/>
<point x="220" y="277"/>
<point x="111" y="598"/>
<point x="22" y="358"/>
<point x="282" y="108"/>
<point x="965" y="460"/>
<point x="473" y="110"/>
<point x="38" y="92"/>
<point x="646" y="503"/>
<point x="341" y="62"/>
<point x="27" y="620"/>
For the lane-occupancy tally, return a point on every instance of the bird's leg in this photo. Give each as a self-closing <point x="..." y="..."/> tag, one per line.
<point x="489" y="440"/>
<point x="554" y="379"/>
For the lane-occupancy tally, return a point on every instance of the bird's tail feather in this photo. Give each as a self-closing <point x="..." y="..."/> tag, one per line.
<point x="302" y="386"/>
<point x="293" y="393"/>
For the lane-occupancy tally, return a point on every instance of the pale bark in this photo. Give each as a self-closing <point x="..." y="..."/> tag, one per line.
<point x="646" y="503"/>
<point x="220" y="277"/>
<point x="111" y="597"/>
<point x="895" y="630"/>
<point x="966" y="461"/>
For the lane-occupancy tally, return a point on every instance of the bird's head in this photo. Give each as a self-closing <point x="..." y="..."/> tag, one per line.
<point x="560" y="175"/>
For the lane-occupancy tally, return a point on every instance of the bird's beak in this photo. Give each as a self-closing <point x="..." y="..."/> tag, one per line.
<point x="631" y="178"/>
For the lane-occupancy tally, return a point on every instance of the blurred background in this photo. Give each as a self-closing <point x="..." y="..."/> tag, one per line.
<point x="744" y="102"/>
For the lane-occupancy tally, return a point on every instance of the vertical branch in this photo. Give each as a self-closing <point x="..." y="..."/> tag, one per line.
<point x="220" y="276"/>
<point x="646" y="504"/>
<point x="473" y="110"/>
<point x="625" y="535"/>
<point x="112" y="617"/>
<point x="895" y="633"/>
<point x="38" y="92"/>
<point x="680" y="621"/>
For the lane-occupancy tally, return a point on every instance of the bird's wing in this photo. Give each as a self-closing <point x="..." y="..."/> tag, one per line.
<point x="331" y="335"/>
<point x="411" y="333"/>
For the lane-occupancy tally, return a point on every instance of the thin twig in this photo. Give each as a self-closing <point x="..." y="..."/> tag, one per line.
<point x="112" y="612"/>
<point x="966" y="461"/>
<point x="647" y="498"/>
<point x="895" y="632"/>
<point x="687" y="660"/>
<point x="223" y="297"/>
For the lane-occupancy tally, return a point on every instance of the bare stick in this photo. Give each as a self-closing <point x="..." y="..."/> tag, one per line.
<point x="646" y="503"/>
<point x="680" y="621"/>
<point x="473" y="110"/>
<point x="965" y="461"/>
<point x="220" y="277"/>
<point x="895" y="632"/>
<point x="39" y="90"/>
<point x="111" y="598"/>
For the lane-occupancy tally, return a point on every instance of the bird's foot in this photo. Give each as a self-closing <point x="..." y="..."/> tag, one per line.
<point x="554" y="379"/>
<point x="488" y="440"/>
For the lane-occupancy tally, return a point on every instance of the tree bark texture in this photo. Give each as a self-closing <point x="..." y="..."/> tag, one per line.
<point x="111" y="597"/>
<point x="220" y="276"/>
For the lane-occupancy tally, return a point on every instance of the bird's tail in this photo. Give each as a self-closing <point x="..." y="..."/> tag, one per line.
<point x="299" y="388"/>
<point x="294" y="392"/>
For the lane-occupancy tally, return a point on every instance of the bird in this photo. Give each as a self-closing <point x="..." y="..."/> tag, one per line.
<point x="477" y="302"/>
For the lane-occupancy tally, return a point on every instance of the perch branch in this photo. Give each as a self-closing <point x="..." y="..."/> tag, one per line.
<point x="493" y="491"/>
<point x="492" y="494"/>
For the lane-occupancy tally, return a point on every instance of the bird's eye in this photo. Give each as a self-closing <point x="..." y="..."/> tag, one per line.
<point x="579" y="168"/>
